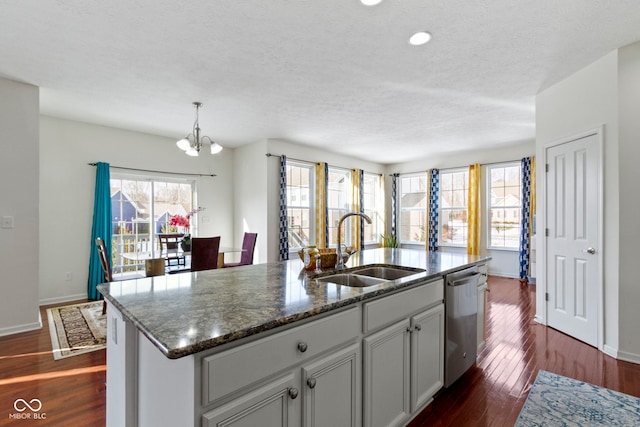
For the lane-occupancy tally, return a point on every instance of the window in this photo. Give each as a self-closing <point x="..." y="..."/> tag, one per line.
<point x="338" y="203"/>
<point x="142" y="208"/>
<point x="412" y="205"/>
<point x="504" y="205"/>
<point x="452" y="222"/>
<point x="373" y="207"/>
<point x="300" y="212"/>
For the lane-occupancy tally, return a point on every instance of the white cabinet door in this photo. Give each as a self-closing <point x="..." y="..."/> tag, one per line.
<point x="276" y="404"/>
<point x="482" y="304"/>
<point x="331" y="389"/>
<point x="427" y="356"/>
<point x="386" y="371"/>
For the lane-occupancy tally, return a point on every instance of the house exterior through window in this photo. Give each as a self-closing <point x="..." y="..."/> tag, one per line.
<point x="412" y="204"/>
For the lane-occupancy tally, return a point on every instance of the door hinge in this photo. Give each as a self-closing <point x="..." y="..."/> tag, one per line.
<point x="546" y="296"/>
<point x="546" y="167"/>
<point x="546" y="232"/>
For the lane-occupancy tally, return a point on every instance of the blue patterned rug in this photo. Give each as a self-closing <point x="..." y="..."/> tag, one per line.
<point x="555" y="400"/>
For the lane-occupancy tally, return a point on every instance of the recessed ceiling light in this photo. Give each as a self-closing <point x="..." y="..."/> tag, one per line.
<point x="420" y="38"/>
<point x="370" y="2"/>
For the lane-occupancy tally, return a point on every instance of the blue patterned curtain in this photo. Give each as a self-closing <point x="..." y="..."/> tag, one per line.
<point x="434" y="197"/>
<point x="394" y="204"/>
<point x="101" y="228"/>
<point x="525" y="235"/>
<point x="284" y="221"/>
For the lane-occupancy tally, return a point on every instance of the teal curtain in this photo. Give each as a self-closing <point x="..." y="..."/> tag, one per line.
<point x="101" y="228"/>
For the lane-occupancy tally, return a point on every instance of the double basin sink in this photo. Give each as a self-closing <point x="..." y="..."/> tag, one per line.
<point x="364" y="276"/>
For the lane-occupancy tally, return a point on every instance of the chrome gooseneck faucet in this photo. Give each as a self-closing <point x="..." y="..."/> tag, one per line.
<point x="340" y="260"/>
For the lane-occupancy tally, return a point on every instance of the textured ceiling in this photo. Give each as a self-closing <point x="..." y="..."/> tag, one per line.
<point x="330" y="73"/>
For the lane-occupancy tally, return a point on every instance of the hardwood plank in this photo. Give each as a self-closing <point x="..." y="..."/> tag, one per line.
<point x="493" y="392"/>
<point x="72" y="390"/>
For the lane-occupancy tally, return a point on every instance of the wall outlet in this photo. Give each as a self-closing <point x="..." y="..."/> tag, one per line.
<point x="68" y="276"/>
<point x="7" y="222"/>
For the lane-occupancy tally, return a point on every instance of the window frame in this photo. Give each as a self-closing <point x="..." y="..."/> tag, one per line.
<point x="489" y="206"/>
<point x="377" y="220"/>
<point x="401" y="210"/>
<point x="310" y="167"/>
<point x="150" y="244"/>
<point x="348" y="207"/>
<point x="441" y="241"/>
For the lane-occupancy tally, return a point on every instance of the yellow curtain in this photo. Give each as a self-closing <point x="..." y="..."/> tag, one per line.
<point x="473" y="237"/>
<point x="355" y="205"/>
<point x="426" y="209"/>
<point x="532" y="210"/>
<point x="321" y="206"/>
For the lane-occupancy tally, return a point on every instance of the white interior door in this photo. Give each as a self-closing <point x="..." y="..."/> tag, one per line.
<point x="573" y="247"/>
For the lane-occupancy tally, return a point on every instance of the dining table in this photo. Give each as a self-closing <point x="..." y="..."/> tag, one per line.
<point x="152" y="259"/>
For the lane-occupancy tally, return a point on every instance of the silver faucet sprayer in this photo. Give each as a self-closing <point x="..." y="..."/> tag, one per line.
<point x="339" y="260"/>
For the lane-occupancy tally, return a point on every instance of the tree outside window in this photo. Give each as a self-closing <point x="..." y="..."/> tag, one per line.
<point x="505" y="205"/>
<point x="454" y="192"/>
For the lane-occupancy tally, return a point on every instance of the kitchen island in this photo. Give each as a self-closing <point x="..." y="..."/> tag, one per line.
<point x="270" y="341"/>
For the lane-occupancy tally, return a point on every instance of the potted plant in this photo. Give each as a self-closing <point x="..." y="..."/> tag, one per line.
<point x="184" y="222"/>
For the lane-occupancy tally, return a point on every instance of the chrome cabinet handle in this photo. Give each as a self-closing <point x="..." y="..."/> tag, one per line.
<point x="302" y="347"/>
<point x="311" y="382"/>
<point x="409" y="330"/>
<point x="418" y="327"/>
<point x="293" y="393"/>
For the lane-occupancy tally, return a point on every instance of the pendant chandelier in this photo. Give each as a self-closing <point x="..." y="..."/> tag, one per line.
<point x="192" y="143"/>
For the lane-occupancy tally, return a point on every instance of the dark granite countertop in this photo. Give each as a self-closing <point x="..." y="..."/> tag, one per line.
<point x="186" y="313"/>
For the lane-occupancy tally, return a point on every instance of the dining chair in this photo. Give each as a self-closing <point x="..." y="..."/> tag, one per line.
<point x="106" y="266"/>
<point x="169" y="248"/>
<point x="204" y="253"/>
<point x="248" y="247"/>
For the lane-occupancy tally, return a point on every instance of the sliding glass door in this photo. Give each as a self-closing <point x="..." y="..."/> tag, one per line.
<point x="142" y="207"/>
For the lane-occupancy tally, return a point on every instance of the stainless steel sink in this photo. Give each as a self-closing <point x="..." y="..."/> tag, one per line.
<point x="353" y="280"/>
<point x="386" y="273"/>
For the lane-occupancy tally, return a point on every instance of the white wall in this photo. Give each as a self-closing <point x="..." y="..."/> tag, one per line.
<point x="250" y="203"/>
<point x="628" y="157"/>
<point x="503" y="263"/>
<point x="67" y="188"/>
<point x="299" y="152"/>
<point x="585" y="101"/>
<point x="19" y="113"/>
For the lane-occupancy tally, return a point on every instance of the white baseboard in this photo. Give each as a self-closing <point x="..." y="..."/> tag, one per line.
<point x="21" y="328"/>
<point x="58" y="300"/>
<point x="613" y="352"/>
<point x="503" y="274"/>
<point x="628" y="357"/>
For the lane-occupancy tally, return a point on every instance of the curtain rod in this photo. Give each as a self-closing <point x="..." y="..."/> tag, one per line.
<point x="156" y="171"/>
<point x="460" y="167"/>
<point x="306" y="161"/>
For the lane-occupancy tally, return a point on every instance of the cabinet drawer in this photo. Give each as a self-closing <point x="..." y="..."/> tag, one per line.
<point x="242" y="366"/>
<point x="391" y="308"/>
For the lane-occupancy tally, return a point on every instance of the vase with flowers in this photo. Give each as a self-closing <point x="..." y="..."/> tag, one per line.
<point x="183" y="223"/>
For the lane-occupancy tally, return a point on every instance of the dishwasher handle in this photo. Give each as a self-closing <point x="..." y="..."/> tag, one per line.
<point x="465" y="280"/>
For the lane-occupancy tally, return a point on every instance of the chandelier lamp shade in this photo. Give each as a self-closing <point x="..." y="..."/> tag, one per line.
<point x="192" y="143"/>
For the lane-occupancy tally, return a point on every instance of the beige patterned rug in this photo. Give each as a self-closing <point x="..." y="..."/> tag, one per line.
<point x="77" y="329"/>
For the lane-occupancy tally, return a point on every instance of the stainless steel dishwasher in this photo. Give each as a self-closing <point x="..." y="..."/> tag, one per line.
<point x="461" y="324"/>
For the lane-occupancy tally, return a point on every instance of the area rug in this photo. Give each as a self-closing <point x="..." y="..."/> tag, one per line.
<point x="555" y="400"/>
<point x="77" y="329"/>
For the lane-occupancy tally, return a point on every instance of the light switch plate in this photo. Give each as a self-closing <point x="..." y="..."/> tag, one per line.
<point x="7" y="222"/>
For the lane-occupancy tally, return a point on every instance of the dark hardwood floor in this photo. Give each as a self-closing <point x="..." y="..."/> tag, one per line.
<point x="72" y="390"/>
<point x="493" y="392"/>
